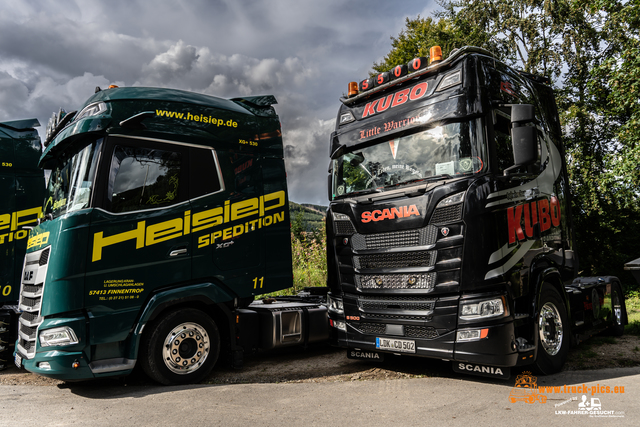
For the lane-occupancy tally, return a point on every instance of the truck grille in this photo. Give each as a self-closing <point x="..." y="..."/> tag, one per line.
<point x="409" y="331"/>
<point x="420" y="332"/>
<point x="33" y="278"/>
<point x="344" y="227"/>
<point x="397" y="303"/>
<point x="372" y="328"/>
<point x="396" y="259"/>
<point x="395" y="239"/>
<point x="447" y="214"/>
<point x="424" y="281"/>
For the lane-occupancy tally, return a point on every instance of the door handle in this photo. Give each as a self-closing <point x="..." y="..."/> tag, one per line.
<point x="178" y="252"/>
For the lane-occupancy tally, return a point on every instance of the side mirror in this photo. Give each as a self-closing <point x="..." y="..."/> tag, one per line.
<point x="524" y="139"/>
<point x="521" y="114"/>
<point x="525" y="145"/>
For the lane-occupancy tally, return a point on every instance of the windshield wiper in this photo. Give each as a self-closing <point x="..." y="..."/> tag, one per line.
<point x="429" y="178"/>
<point x="365" y="191"/>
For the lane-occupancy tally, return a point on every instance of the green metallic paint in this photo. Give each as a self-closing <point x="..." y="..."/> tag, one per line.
<point x="22" y="188"/>
<point x="250" y="155"/>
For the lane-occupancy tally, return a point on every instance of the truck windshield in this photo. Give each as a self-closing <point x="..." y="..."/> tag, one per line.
<point x="450" y="150"/>
<point x="71" y="181"/>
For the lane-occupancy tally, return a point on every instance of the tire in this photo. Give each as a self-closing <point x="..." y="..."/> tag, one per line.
<point x="552" y="327"/>
<point x="181" y="347"/>
<point x="617" y="307"/>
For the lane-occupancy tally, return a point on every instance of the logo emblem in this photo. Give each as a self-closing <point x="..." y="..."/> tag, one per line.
<point x="444" y="231"/>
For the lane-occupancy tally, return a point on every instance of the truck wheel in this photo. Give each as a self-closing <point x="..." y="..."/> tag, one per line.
<point x="180" y="348"/>
<point x="617" y="305"/>
<point x="553" y="332"/>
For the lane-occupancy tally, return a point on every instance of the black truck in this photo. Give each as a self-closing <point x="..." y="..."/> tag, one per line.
<point x="449" y="231"/>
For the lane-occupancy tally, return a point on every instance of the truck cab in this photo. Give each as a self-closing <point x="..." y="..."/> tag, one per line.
<point x="165" y="214"/>
<point x="22" y="186"/>
<point x="449" y="227"/>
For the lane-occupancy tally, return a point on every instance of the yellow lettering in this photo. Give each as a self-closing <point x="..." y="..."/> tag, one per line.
<point x="100" y="242"/>
<point x="215" y="236"/>
<point x="187" y="222"/>
<point x="278" y="217"/>
<point x="163" y="231"/>
<point x="278" y="195"/>
<point x="38" y="240"/>
<point x="5" y="221"/>
<point x="206" y="219"/>
<point x="244" y="209"/>
<point x="226" y="233"/>
<point x="203" y="241"/>
<point x="238" y="230"/>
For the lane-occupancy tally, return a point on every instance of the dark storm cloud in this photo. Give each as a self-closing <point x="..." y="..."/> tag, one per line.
<point x="54" y="53"/>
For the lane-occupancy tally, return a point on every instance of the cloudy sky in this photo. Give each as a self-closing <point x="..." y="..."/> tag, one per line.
<point x="53" y="53"/>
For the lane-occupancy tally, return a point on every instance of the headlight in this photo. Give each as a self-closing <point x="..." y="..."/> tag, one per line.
<point x="483" y="310"/>
<point x="346" y="118"/>
<point x="451" y="200"/>
<point x="335" y="304"/>
<point x="338" y="324"/>
<point x="58" y="337"/>
<point x="450" y="80"/>
<point x="91" y="110"/>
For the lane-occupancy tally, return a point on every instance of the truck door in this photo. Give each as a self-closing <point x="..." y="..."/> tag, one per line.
<point x="139" y="238"/>
<point x="227" y="225"/>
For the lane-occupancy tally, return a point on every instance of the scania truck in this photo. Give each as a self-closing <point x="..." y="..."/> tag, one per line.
<point x="449" y="232"/>
<point x="21" y="193"/>
<point x="166" y="212"/>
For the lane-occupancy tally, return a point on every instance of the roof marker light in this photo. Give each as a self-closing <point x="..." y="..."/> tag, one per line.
<point x="435" y="55"/>
<point x="353" y="89"/>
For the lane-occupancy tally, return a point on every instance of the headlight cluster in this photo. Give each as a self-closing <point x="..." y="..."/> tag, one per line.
<point x="58" y="337"/>
<point x="335" y="304"/>
<point x="483" y="310"/>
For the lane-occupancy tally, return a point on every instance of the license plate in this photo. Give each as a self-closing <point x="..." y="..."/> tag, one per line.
<point x="400" y="346"/>
<point x="18" y="361"/>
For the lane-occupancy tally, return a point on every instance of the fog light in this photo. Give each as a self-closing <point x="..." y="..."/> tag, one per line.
<point x="472" y="334"/>
<point x="44" y="365"/>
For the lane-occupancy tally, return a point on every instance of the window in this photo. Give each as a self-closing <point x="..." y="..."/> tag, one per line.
<point x="143" y="178"/>
<point x="71" y="181"/>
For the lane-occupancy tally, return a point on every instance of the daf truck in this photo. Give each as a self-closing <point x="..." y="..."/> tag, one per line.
<point x="166" y="212"/>
<point x="449" y="231"/>
<point x="21" y="193"/>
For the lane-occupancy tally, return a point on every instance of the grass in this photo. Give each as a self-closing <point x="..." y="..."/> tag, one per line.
<point x="309" y="262"/>
<point x="632" y="302"/>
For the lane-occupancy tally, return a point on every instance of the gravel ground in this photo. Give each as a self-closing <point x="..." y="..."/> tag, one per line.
<point x="328" y="364"/>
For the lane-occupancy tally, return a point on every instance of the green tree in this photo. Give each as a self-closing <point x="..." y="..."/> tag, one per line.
<point x="590" y="50"/>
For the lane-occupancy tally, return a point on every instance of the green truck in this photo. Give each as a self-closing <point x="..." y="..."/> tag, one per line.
<point x="22" y="188"/>
<point x="166" y="213"/>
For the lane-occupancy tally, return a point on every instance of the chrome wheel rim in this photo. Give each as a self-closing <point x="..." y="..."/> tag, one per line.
<point x="186" y="348"/>
<point x="550" y="328"/>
